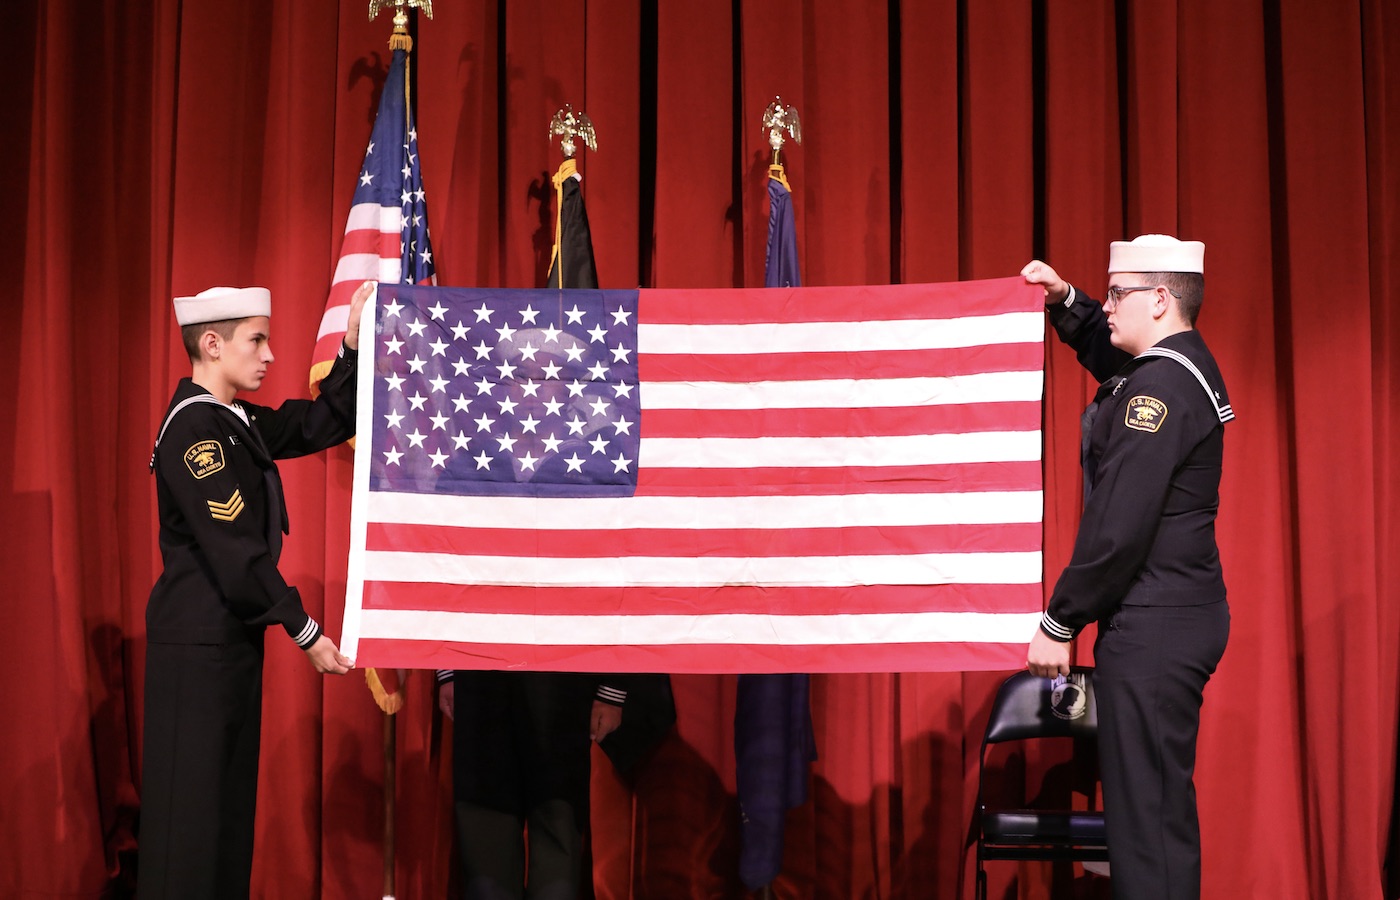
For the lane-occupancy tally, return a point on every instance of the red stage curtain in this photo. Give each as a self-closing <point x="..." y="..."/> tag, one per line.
<point x="164" y="147"/>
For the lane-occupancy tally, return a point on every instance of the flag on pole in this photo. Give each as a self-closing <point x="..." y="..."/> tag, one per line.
<point x="386" y="235"/>
<point x="761" y="480"/>
<point x="386" y="240"/>
<point x="773" y="741"/>
<point x="780" y="267"/>
<point x="572" y="257"/>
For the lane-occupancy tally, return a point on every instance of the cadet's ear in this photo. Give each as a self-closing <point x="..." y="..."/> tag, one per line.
<point x="1161" y="302"/>
<point x="210" y="344"/>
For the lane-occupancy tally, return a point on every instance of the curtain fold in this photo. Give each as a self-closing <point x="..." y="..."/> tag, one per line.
<point x="186" y="144"/>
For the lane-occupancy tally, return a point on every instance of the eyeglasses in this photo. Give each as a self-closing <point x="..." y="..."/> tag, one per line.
<point x="1116" y="294"/>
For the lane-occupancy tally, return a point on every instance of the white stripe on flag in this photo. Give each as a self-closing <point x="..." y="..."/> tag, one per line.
<point x="359" y="266"/>
<point x="708" y="571"/>
<point x="333" y="321"/>
<point x="607" y="513"/>
<point x="898" y="450"/>
<point x="989" y="387"/>
<point x="373" y="217"/>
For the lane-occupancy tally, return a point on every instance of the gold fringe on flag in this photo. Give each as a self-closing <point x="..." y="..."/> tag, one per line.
<point x="400" y="39"/>
<point x="391" y="701"/>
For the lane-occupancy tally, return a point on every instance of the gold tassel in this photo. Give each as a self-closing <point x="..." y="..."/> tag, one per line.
<point x="567" y="169"/>
<point x="390" y="703"/>
<point x="400" y="39"/>
<point x="775" y="172"/>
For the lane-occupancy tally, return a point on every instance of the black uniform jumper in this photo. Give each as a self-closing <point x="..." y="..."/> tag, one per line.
<point x="222" y="517"/>
<point x="1146" y="567"/>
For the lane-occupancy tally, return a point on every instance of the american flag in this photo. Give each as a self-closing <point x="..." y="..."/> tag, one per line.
<point x="386" y="233"/>
<point x="767" y="480"/>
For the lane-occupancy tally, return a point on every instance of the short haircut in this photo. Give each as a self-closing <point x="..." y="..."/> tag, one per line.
<point x="190" y="334"/>
<point x="1189" y="287"/>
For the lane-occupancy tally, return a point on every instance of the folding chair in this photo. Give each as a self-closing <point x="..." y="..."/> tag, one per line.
<point x="1029" y="708"/>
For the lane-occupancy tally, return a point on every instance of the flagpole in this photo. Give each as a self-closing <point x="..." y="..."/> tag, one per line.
<point x="390" y="794"/>
<point x="773" y="742"/>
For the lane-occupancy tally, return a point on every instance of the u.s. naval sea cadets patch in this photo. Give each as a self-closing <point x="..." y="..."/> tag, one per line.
<point x="204" y="458"/>
<point x="1145" y="414"/>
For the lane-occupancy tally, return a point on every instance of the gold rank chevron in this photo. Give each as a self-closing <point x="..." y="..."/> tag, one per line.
<point x="228" y="510"/>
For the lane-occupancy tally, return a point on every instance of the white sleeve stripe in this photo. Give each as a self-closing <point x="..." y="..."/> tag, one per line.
<point x="308" y="631"/>
<point x="1055" y="629"/>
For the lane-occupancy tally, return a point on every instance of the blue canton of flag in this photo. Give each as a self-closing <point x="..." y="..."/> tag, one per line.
<point x="514" y="392"/>
<point x="415" y="248"/>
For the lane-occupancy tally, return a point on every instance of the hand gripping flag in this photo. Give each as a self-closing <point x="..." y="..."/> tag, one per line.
<point x="764" y="480"/>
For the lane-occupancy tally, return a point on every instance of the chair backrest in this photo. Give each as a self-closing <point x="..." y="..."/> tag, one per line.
<point x="1028" y="706"/>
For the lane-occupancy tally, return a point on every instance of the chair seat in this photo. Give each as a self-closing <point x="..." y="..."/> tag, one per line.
<point x="1031" y="826"/>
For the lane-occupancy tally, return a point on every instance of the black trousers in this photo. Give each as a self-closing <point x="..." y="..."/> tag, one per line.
<point x="1152" y="665"/>
<point x="521" y="766"/>
<point x="199" y="770"/>
<point x="496" y="864"/>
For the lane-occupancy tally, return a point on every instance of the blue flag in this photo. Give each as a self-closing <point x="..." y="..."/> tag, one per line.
<point x="773" y="741"/>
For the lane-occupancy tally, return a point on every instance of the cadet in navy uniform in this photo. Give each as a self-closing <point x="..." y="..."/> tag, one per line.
<point x="1145" y="564"/>
<point x="222" y="517"/>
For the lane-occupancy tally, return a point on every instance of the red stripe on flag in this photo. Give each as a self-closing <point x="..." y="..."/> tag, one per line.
<point x="730" y="599"/>
<point x="327" y="346"/>
<point x="699" y="658"/>
<point x="372" y="242"/>
<point x="963" y="477"/>
<point x="892" y="420"/>
<point x="672" y="542"/>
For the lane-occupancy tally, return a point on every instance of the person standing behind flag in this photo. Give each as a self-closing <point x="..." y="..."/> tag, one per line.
<point x="222" y="517"/>
<point x="521" y="762"/>
<point x="1145" y="564"/>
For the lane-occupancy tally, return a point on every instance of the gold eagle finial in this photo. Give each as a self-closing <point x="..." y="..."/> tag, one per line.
<point x="780" y="117"/>
<point x="570" y="125"/>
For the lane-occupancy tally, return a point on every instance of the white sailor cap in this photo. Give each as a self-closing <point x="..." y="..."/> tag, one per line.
<point x="220" y="303"/>
<point x="1156" y="253"/>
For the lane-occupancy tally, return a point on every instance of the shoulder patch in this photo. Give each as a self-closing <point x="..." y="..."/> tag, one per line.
<point x="204" y="458"/>
<point x="1145" y="414"/>
<point x="228" y="510"/>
